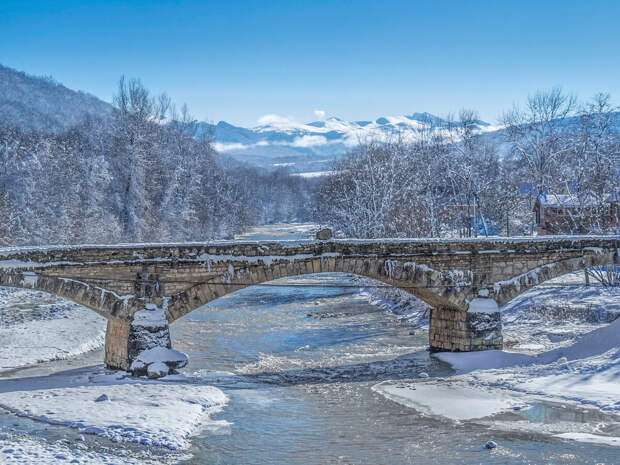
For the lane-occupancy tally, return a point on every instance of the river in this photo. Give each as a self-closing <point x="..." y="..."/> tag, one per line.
<point x="299" y="364"/>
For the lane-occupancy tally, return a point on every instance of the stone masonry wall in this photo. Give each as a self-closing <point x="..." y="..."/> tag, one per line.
<point x="460" y="331"/>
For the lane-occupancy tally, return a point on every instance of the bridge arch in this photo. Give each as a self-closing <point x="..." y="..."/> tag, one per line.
<point x="105" y="302"/>
<point x="117" y="281"/>
<point x="505" y="291"/>
<point x="431" y="286"/>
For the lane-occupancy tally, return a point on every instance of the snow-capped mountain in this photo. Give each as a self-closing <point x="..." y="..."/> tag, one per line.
<point x="278" y="141"/>
<point x="31" y="102"/>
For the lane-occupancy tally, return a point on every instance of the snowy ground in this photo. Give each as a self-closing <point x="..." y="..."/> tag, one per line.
<point x="554" y="314"/>
<point x="37" y="327"/>
<point x="110" y="405"/>
<point x="563" y="346"/>
<point x="587" y="371"/>
<point x="20" y="449"/>
<point x="115" y="406"/>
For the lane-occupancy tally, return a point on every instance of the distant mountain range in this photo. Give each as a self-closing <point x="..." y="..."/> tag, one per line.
<point x="32" y="102"/>
<point x="312" y="147"/>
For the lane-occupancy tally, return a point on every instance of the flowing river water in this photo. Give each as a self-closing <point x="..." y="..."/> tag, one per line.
<point x="299" y="364"/>
<point x="299" y="360"/>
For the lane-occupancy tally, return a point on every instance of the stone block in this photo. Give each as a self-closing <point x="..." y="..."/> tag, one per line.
<point x="116" y="344"/>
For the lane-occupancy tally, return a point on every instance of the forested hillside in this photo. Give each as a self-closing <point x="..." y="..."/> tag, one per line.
<point x="31" y="102"/>
<point x="136" y="173"/>
<point x="461" y="182"/>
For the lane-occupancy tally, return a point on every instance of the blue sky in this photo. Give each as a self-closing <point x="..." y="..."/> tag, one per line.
<point x="238" y="60"/>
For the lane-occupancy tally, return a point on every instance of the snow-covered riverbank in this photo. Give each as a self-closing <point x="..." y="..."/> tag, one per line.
<point x="38" y="327"/>
<point x="563" y="347"/>
<point x="587" y="371"/>
<point x="117" y="407"/>
<point x="20" y="449"/>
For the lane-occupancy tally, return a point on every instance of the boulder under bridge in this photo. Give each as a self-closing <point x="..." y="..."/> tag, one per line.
<point x="138" y="286"/>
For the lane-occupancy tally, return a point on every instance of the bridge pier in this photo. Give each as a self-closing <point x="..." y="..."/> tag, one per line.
<point x="458" y="330"/>
<point x="117" y="344"/>
<point x="126" y="340"/>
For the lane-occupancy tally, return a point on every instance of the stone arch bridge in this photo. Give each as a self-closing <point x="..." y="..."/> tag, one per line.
<point x="138" y="286"/>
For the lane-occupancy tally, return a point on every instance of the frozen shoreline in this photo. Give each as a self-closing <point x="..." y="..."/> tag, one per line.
<point x="555" y="355"/>
<point x="165" y="413"/>
<point x="39" y="327"/>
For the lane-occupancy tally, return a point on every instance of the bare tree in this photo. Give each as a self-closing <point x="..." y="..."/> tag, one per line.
<point x="540" y="136"/>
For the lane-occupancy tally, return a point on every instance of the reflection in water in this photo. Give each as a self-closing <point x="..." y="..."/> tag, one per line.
<point x="299" y="364"/>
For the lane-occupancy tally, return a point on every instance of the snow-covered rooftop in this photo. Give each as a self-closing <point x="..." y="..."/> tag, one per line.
<point x="587" y="199"/>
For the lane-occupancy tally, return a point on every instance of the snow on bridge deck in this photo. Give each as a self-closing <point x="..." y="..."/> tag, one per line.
<point x="297" y="242"/>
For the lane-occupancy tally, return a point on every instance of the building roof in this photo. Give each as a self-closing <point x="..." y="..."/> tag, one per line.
<point x="583" y="199"/>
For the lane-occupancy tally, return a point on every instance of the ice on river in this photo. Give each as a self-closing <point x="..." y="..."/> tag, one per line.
<point x="452" y="399"/>
<point x="117" y="407"/>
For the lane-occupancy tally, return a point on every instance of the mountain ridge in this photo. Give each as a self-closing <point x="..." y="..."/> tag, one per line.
<point x="34" y="102"/>
<point x="315" y="145"/>
<point x="40" y="103"/>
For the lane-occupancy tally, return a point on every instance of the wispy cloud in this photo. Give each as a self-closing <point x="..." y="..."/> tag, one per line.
<point x="309" y="141"/>
<point x="277" y="121"/>
<point x="302" y="141"/>
<point x="320" y="114"/>
<point x="227" y="147"/>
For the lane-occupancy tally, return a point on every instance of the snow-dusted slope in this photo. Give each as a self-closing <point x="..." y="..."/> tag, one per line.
<point x="32" y="102"/>
<point x="38" y="327"/>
